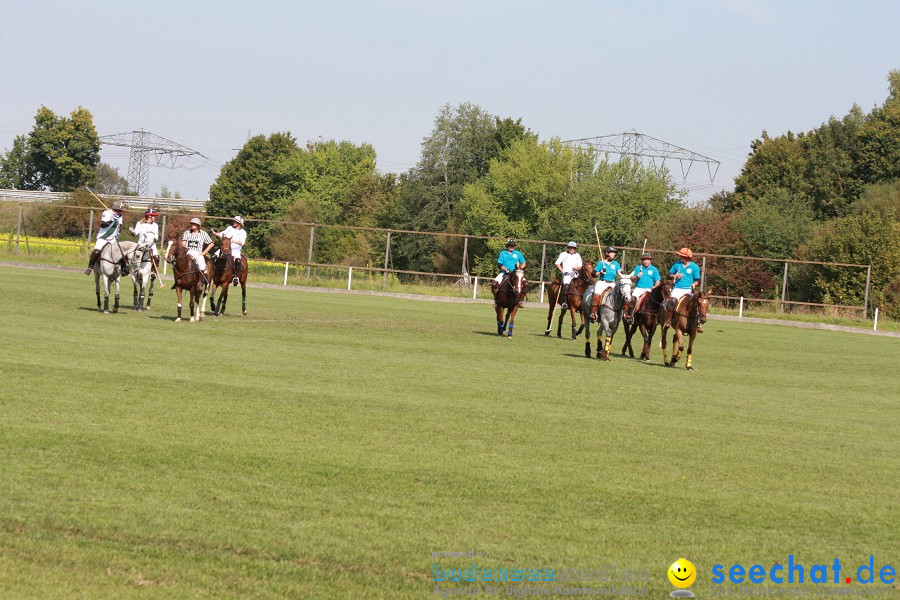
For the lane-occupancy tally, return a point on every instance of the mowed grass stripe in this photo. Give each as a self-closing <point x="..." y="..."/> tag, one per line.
<point x="324" y="445"/>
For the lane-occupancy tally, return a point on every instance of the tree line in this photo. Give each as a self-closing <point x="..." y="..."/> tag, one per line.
<point x="831" y="194"/>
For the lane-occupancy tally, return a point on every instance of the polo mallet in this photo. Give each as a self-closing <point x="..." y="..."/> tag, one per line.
<point x="97" y="197"/>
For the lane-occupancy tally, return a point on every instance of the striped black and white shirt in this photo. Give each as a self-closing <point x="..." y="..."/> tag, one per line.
<point x="196" y="241"/>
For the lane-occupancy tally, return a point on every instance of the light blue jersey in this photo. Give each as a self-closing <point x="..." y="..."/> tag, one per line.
<point x="647" y="276"/>
<point x="510" y="259"/>
<point x="612" y="269"/>
<point x="689" y="274"/>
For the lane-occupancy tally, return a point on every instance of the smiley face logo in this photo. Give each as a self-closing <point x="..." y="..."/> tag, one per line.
<point x="682" y="573"/>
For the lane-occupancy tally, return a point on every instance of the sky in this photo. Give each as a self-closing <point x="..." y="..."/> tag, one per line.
<point x="707" y="75"/>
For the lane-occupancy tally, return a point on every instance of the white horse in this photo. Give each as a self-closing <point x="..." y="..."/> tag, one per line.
<point x="609" y="314"/>
<point x="107" y="267"/>
<point x="141" y="267"/>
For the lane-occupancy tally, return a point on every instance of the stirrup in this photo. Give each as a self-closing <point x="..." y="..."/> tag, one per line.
<point x="564" y="305"/>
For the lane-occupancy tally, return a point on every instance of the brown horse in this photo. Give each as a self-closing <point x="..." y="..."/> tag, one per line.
<point x="188" y="277"/>
<point x="577" y="287"/>
<point x="647" y="319"/>
<point x="512" y="291"/>
<point x="223" y="276"/>
<point x="690" y="312"/>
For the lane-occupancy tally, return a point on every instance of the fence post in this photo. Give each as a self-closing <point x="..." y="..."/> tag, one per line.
<point x="542" y="291"/>
<point x="312" y="237"/>
<point x="543" y="262"/>
<point x="91" y="231"/>
<point x="387" y="255"/>
<point x="783" y="288"/>
<point x="703" y="274"/>
<point x="475" y="289"/>
<point x="349" y="277"/>
<point x="286" y="263"/>
<point x="866" y="301"/>
<point x="465" y="258"/>
<point x="741" y="309"/>
<point x="19" y="228"/>
<point x="875" y="324"/>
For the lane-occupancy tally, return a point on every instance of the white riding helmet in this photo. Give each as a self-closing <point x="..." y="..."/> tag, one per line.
<point x="196" y="221"/>
<point x="572" y="245"/>
<point x="238" y="220"/>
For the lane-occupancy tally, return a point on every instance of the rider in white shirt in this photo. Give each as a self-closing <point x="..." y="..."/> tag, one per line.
<point x="147" y="232"/>
<point x="568" y="263"/>
<point x="238" y="236"/>
<point x="108" y="233"/>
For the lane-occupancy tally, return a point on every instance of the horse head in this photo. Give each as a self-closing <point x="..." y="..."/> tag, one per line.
<point x="518" y="279"/>
<point x="586" y="270"/>
<point x="703" y="305"/>
<point x="226" y="245"/>
<point x="624" y="286"/>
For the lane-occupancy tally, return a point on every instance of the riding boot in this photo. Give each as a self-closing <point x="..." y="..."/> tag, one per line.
<point x="565" y="296"/>
<point x="94" y="256"/>
<point x="236" y="280"/>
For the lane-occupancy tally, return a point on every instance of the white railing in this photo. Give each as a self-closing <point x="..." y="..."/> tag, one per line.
<point x="41" y="197"/>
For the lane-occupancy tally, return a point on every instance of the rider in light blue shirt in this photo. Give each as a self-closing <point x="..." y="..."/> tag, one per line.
<point x="685" y="275"/>
<point x="509" y="260"/>
<point x="607" y="269"/>
<point x="647" y="277"/>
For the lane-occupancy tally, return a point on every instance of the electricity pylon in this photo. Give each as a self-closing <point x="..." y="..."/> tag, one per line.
<point x="143" y="144"/>
<point x="649" y="148"/>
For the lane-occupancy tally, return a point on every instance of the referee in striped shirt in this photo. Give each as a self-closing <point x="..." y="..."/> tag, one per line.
<point x="198" y="243"/>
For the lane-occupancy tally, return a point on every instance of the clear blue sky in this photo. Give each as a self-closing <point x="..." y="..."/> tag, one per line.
<point x="708" y="75"/>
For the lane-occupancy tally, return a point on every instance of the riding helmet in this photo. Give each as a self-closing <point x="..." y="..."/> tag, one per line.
<point x="571" y="245"/>
<point x="686" y="252"/>
<point x="150" y="213"/>
<point x="511" y="242"/>
<point x="646" y="255"/>
<point x="239" y="220"/>
<point x="196" y="221"/>
<point x="610" y="249"/>
<point x="117" y="206"/>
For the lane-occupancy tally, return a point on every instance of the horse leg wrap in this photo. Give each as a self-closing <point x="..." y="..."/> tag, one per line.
<point x="687" y="363"/>
<point x="509" y="330"/>
<point x="607" y="344"/>
<point x="179" y="311"/>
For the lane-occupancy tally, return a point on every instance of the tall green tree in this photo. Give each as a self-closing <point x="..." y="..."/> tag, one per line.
<point x="108" y="181"/>
<point x="249" y="186"/>
<point x="459" y="150"/>
<point x="334" y="183"/>
<point x="549" y="190"/>
<point x="60" y="154"/>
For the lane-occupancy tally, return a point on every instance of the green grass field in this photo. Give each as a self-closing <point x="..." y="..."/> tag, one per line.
<point x="325" y="445"/>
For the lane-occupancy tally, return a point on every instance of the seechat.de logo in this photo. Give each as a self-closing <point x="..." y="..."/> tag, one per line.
<point x="796" y="572"/>
<point x="682" y="574"/>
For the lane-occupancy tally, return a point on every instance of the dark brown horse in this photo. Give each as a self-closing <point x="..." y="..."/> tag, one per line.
<point x="647" y="319"/>
<point x="510" y="294"/>
<point x="223" y="276"/>
<point x="577" y="287"/>
<point x="188" y="277"/>
<point x="690" y="312"/>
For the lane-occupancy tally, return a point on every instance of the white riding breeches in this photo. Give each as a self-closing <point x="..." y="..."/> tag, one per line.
<point x="198" y="256"/>
<point x="567" y="278"/>
<point x="603" y="285"/>
<point x="101" y="243"/>
<point x="678" y="293"/>
<point x="638" y="292"/>
<point x="499" y="278"/>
